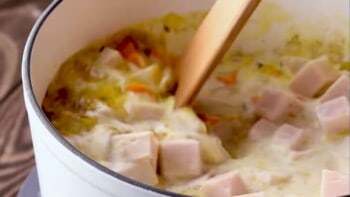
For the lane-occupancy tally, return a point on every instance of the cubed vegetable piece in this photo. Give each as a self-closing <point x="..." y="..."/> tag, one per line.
<point x="313" y="77"/>
<point x="293" y="64"/>
<point x="95" y="143"/>
<point x="150" y="75"/>
<point x="289" y="137"/>
<point x="334" y="115"/>
<point x="141" y="110"/>
<point x="185" y="120"/>
<point x="261" y="129"/>
<point x="276" y="105"/>
<point x="140" y="88"/>
<point x="224" y="185"/>
<point x="228" y="78"/>
<point x="167" y="80"/>
<point x="129" y="48"/>
<point x="259" y="194"/>
<point x="180" y="158"/>
<point x="212" y="150"/>
<point x="339" y="88"/>
<point x="137" y="59"/>
<point x="134" y="147"/>
<point x="141" y="171"/>
<point x="334" y="184"/>
<point x="109" y="57"/>
<point x="210" y="119"/>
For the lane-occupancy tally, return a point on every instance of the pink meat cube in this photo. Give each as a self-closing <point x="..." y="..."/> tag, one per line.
<point x="180" y="158"/>
<point x="334" y="184"/>
<point x="141" y="171"/>
<point x="224" y="185"/>
<point x="277" y="105"/>
<point x="339" y="88"/>
<point x="134" y="147"/>
<point x="315" y="75"/>
<point x="261" y="129"/>
<point x="259" y="194"/>
<point x="289" y="137"/>
<point x="334" y="115"/>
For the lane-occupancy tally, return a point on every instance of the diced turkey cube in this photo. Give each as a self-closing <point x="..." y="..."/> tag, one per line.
<point x="259" y="194"/>
<point x="277" y="105"/>
<point x="261" y="129"/>
<point x="141" y="110"/>
<point x="141" y="171"/>
<point x="334" y="115"/>
<point x="225" y="185"/>
<point x="334" y="184"/>
<point x="315" y="75"/>
<point x="289" y="137"/>
<point x="134" y="147"/>
<point x="294" y="64"/>
<point x="339" y="88"/>
<point x="180" y="158"/>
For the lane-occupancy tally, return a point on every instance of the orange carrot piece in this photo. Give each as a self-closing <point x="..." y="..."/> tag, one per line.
<point x="137" y="59"/>
<point x="157" y="54"/>
<point x="129" y="50"/>
<point x="254" y="99"/>
<point x="228" y="79"/>
<point x="127" y="46"/>
<point x="139" y="88"/>
<point x="210" y="119"/>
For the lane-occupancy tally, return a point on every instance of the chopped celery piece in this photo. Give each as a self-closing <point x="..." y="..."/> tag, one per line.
<point x="150" y="75"/>
<point x="72" y="123"/>
<point x="167" y="80"/>
<point x="107" y="92"/>
<point x="212" y="150"/>
<point x="109" y="57"/>
<point x="185" y="120"/>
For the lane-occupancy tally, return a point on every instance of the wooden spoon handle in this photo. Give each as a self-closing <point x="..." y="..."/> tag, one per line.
<point x="211" y="41"/>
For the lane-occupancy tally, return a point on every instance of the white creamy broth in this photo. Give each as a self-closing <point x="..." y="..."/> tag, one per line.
<point x="114" y="101"/>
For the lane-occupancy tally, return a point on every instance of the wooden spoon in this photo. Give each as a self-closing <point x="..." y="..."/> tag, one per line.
<point x="213" y="38"/>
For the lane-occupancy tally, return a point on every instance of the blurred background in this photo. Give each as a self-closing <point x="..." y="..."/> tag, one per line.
<point x="16" y="156"/>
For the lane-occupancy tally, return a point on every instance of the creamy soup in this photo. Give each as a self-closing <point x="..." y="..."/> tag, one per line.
<point x="276" y="126"/>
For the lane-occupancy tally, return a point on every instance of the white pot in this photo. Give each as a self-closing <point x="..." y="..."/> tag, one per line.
<point x="67" y="26"/>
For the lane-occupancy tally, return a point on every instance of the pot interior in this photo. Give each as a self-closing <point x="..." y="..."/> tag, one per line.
<point x="67" y="30"/>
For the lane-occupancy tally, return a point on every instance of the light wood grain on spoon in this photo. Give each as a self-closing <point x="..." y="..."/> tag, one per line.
<point x="213" y="38"/>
